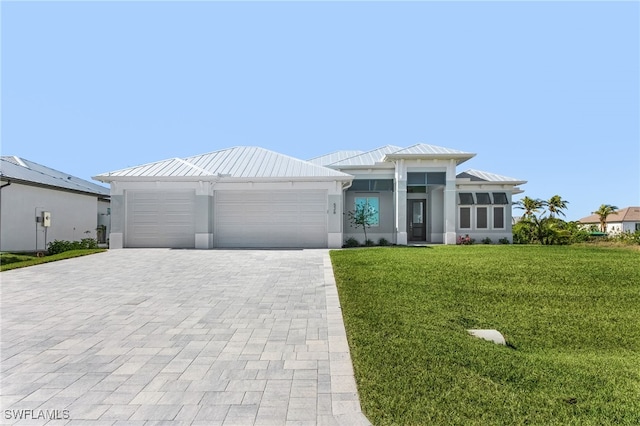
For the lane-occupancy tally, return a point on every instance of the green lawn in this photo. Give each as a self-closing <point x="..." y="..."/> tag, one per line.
<point x="571" y="317"/>
<point x="10" y="261"/>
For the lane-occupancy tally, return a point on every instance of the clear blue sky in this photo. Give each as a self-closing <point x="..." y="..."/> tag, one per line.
<point x="543" y="91"/>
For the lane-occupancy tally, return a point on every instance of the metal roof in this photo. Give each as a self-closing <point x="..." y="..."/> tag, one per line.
<point x="628" y="214"/>
<point x="480" y="176"/>
<point x="334" y="157"/>
<point x="23" y="170"/>
<point x="236" y="162"/>
<point x="369" y="158"/>
<point x="424" y="149"/>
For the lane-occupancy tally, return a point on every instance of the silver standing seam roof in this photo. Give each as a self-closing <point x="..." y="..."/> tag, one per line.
<point x="368" y="158"/>
<point x="244" y="162"/>
<point x="21" y="170"/>
<point x="480" y="176"/>
<point x="325" y="160"/>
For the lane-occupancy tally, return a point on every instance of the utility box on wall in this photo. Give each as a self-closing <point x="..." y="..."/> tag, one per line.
<point x="46" y="219"/>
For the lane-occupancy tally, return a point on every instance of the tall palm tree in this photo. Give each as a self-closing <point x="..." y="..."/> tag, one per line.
<point x="530" y="206"/>
<point x="555" y="205"/>
<point x="604" y="211"/>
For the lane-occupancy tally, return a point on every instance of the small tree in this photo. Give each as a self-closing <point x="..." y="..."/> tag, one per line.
<point x="363" y="216"/>
<point x="603" y="212"/>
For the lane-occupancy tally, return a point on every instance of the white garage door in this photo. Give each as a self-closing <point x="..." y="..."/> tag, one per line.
<point x="270" y="219"/>
<point x="160" y="219"/>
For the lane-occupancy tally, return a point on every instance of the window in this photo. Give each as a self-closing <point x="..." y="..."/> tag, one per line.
<point x="498" y="217"/>
<point x="465" y="217"/>
<point x="483" y="198"/>
<point x="371" y="185"/>
<point x="500" y="198"/>
<point x="372" y="202"/>
<point x="416" y="189"/>
<point x="436" y="178"/>
<point x="481" y="218"/>
<point x="637" y="226"/>
<point x="416" y="178"/>
<point x="466" y="198"/>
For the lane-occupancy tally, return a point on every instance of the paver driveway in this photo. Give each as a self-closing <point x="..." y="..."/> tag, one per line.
<point x="177" y="337"/>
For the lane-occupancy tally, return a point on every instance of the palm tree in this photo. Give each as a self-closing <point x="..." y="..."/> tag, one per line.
<point x="530" y="206"/>
<point x="555" y="205"/>
<point x="604" y="211"/>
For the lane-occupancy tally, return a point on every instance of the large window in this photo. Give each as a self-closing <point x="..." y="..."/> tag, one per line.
<point x="465" y="217"/>
<point x="498" y="217"/>
<point x="374" y="204"/>
<point x="481" y="218"/>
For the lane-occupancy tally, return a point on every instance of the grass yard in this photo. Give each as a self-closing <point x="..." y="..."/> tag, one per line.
<point x="10" y="261"/>
<point x="570" y="315"/>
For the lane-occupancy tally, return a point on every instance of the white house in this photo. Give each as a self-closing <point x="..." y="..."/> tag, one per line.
<point x="39" y="204"/>
<point x="252" y="197"/>
<point x="624" y="220"/>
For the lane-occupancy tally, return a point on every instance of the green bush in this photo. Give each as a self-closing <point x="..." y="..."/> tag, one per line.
<point x="369" y="243"/>
<point x="486" y="240"/>
<point x="351" y="242"/>
<point x="60" y="246"/>
<point x="504" y="241"/>
<point x="383" y="242"/>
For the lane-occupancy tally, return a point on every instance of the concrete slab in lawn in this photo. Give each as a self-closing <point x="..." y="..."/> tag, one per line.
<point x="187" y="337"/>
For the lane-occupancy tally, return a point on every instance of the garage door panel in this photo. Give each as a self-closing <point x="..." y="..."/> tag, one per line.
<point x="270" y="219"/>
<point x="160" y="219"/>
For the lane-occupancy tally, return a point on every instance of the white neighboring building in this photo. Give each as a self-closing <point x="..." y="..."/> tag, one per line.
<point x="31" y="191"/>
<point x="624" y="220"/>
<point x="252" y="197"/>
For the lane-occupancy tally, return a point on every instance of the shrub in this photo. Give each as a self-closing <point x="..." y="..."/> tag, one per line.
<point x="369" y="243"/>
<point x="383" y="242"/>
<point x="504" y="241"/>
<point x="486" y="240"/>
<point x="60" y="246"/>
<point x="466" y="240"/>
<point x="351" y="242"/>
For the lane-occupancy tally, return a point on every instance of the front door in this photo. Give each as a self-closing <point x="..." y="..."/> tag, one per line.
<point x="416" y="220"/>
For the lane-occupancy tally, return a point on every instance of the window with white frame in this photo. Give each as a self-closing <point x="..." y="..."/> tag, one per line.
<point x="466" y="198"/>
<point x="498" y="218"/>
<point x="465" y="217"/>
<point x="482" y="217"/>
<point x="374" y="204"/>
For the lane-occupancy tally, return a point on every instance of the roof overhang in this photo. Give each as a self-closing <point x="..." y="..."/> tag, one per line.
<point x="460" y="158"/>
<point x="215" y="178"/>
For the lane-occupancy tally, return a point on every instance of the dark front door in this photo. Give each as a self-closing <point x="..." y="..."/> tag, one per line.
<point x="417" y="220"/>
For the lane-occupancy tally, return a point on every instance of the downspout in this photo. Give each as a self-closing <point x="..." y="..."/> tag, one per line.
<point x="3" y="186"/>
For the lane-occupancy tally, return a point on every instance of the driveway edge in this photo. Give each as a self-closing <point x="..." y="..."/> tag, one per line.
<point x="345" y="402"/>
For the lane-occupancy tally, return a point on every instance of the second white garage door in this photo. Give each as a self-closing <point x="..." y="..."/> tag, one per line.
<point x="270" y="219"/>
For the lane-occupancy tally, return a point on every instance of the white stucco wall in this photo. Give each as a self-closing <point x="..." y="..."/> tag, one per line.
<point x="71" y="215"/>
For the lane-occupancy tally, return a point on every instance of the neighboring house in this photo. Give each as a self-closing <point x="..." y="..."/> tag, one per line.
<point x="39" y="204"/>
<point x="252" y="197"/>
<point x="624" y="220"/>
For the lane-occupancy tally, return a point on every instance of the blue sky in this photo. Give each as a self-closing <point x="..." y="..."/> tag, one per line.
<point x="548" y="92"/>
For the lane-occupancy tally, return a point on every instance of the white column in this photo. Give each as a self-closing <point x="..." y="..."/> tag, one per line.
<point x="450" y="204"/>
<point x="401" y="203"/>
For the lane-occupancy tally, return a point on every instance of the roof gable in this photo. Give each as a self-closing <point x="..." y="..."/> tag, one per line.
<point x="421" y="148"/>
<point x="27" y="171"/>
